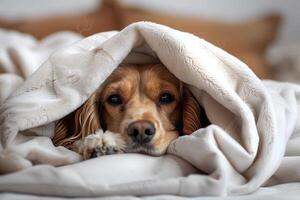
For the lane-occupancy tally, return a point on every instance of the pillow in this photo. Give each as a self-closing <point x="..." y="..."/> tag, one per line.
<point x="104" y="18"/>
<point x="248" y="41"/>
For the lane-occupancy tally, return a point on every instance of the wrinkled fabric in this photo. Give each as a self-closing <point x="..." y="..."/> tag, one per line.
<point x="289" y="191"/>
<point x="252" y="141"/>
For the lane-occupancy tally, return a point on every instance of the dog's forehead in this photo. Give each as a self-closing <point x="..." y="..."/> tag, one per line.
<point x="142" y="75"/>
<point x="157" y="72"/>
<point x="122" y="72"/>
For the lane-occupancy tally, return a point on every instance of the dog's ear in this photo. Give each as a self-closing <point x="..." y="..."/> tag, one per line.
<point x="191" y="111"/>
<point x="80" y="123"/>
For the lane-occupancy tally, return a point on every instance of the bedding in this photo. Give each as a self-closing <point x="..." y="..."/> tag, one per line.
<point x="288" y="191"/>
<point x="285" y="63"/>
<point x="252" y="143"/>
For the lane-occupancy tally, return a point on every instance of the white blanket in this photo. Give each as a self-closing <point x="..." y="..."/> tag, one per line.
<point x="253" y="139"/>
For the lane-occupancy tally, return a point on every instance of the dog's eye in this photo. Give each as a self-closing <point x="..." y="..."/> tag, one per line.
<point x="115" y="99"/>
<point x="166" y="98"/>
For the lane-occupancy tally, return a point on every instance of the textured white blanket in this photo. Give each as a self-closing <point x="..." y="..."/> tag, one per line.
<point x="254" y="139"/>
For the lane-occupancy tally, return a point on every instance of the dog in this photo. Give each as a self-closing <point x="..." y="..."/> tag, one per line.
<point x="140" y="108"/>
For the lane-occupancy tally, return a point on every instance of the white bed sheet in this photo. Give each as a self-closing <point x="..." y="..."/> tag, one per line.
<point x="288" y="191"/>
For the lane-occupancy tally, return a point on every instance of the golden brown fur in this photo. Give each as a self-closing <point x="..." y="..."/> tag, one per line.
<point x="141" y="88"/>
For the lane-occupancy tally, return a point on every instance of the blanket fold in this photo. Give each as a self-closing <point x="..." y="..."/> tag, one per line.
<point x="254" y="123"/>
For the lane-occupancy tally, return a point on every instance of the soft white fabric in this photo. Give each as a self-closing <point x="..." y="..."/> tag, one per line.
<point x="289" y="191"/>
<point x="252" y="140"/>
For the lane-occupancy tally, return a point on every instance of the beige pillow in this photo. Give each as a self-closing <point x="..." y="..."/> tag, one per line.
<point x="103" y="18"/>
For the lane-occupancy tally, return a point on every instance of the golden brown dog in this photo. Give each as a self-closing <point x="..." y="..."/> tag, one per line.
<point x="141" y="108"/>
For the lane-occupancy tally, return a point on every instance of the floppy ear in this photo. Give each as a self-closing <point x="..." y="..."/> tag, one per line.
<point x="191" y="111"/>
<point x="80" y="123"/>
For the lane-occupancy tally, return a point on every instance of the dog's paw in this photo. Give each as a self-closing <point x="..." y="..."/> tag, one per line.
<point x="111" y="143"/>
<point x="100" y="144"/>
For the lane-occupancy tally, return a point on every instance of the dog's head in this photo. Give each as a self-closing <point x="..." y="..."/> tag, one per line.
<point x="146" y="104"/>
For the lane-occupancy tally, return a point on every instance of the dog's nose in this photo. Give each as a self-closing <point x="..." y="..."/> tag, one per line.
<point x="141" y="131"/>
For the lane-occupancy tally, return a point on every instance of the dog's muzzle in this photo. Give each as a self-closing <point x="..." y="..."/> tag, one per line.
<point x="141" y="131"/>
